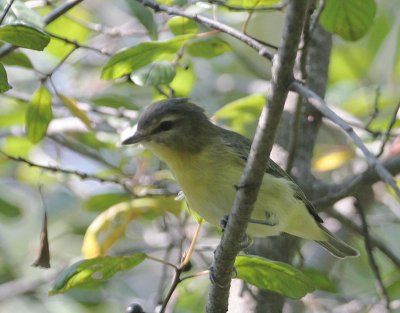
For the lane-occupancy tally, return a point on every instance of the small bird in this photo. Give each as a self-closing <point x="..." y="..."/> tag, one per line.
<point x="208" y="161"/>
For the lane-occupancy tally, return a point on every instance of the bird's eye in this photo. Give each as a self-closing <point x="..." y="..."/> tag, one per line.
<point x="166" y="125"/>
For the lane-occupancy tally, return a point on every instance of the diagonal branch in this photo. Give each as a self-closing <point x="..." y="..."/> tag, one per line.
<point x="251" y="42"/>
<point x="252" y="177"/>
<point x="320" y="105"/>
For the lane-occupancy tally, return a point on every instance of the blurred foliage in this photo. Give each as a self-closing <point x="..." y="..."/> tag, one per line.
<point x="71" y="104"/>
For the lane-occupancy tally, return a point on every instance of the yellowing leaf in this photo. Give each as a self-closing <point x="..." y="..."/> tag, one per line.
<point x="111" y="224"/>
<point x="75" y="110"/>
<point x="332" y="160"/>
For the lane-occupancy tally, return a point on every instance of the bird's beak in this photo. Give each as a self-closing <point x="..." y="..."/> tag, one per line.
<point x="137" y="137"/>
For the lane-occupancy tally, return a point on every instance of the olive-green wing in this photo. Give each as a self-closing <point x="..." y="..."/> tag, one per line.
<point x="241" y="146"/>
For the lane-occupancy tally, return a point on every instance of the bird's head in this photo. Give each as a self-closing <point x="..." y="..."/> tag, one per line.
<point x="173" y="124"/>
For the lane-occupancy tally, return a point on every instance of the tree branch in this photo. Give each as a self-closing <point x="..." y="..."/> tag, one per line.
<point x="320" y="104"/>
<point x="251" y="42"/>
<point x="353" y="183"/>
<point x="258" y="159"/>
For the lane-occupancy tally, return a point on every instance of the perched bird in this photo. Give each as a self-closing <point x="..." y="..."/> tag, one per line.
<point x="208" y="161"/>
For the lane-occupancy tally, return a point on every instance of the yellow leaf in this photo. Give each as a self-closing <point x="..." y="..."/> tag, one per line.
<point x="110" y="225"/>
<point x="75" y="110"/>
<point x="332" y="160"/>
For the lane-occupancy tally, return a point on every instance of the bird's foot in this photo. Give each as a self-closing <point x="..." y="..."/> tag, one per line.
<point x="267" y="221"/>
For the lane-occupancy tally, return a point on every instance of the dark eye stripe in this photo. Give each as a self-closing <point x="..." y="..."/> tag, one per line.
<point x="164" y="126"/>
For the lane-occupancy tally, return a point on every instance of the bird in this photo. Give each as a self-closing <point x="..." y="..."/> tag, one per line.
<point x="207" y="162"/>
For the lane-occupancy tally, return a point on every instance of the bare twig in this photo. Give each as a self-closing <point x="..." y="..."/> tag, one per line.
<point x="178" y="270"/>
<point x="320" y="104"/>
<point x="386" y="136"/>
<point x="374" y="241"/>
<point x="79" y="45"/>
<point x="372" y="262"/>
<point x="375" y="110"/>
<point x="6" y="9"/>
<point x="56" y="169"/>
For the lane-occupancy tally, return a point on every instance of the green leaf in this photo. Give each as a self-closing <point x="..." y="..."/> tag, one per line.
<point x="321" y="280"/>
<point x="39" y="115"/>
<point x="274" y="276"/>
<point x="102" y="202"/>
<point x="17" y="59"/>
<point x="250" y="4"/>
<point x="350" y="19"/>
<point x="145" y="16"/>
<point x="154" y="74"/>
<point x="129" y="60"/>
<point x="208" y="47"/>
<point x="8" y="210"/>
<point x="93" y="272"/>
<point x="180" y="25"/>
<point x="24" y="36"/>
<point x="242" y="114"/>
<point x="4" y="85"/>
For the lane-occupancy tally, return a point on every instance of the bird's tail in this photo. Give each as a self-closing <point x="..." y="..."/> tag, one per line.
<point x="336" y="246"/>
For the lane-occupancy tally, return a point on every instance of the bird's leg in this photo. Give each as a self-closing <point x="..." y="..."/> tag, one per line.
<point x="266" y="222"/>
<point x="247" y="240"/>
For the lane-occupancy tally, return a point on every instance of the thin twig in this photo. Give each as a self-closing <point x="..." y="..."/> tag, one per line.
<point x="386" y="136"/>
<point x="316" y="16"/>
<point x="371" y="259"/>
<point x="277" y="7"/>
<point x="320" y="105"/>
<point x="7" y="8"/>
<point x="79" y="45"/>
<point x="382" y="247"/>
<point x="262" y="49"/>
<point x="56" y="169"/>
<point x="375" y="110"/>
<point x="178" y="270"/>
